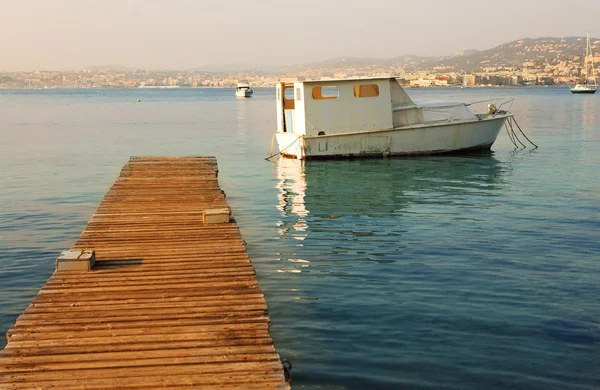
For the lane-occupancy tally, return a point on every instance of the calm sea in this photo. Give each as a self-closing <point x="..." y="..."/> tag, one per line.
<point x="419" y="273"/>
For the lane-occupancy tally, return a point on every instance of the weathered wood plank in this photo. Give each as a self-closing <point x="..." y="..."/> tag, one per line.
<point x="157" y="344"/>
<point x="48" y="330"/>
<point x="238" y="366"/>
<point x="200" y="330"/>
<point x="120" y="307"/>
<point x="149" y="300"/>
<point x="220" y="382"/>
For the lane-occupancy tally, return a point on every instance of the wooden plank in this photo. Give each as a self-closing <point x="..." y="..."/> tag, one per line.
<point x="189" y="304"/>
<point x="48" y="330"/>
<point x="165" y="293"/>
<point x="225" y="381"/>
<point x="147" y="300"/>
<point x="152" y="345"/>
<point x="156" y="369"/>
<point x="62" y="361"/>
<point x="61" y="333"/>
<point x="171" y="301"/>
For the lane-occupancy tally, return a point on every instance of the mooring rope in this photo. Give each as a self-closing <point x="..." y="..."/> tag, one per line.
<point x="272" y="142"/>
<point x="284" y="149"/>
<point x="513" y="135"/>
<point x="519" y="127"/>
<point x="510" y="135"/>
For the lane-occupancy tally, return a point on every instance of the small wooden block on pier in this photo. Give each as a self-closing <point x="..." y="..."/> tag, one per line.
<point x="216" y="216"/>
<point x="76" y="260"/>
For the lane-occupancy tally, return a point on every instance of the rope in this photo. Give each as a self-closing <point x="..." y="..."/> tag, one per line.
<point x="510" y="135"/>
<point x="519" y="127"/>
<point x="513" y="135"/>
<point x="311" y="125"/>
<point x="284" y="149"/>
<point x="272" y="142"/>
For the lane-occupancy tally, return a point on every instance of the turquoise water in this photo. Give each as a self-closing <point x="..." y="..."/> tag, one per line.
<point x="478" y="271"/>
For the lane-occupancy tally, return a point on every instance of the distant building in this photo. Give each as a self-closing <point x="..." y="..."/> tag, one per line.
<point x="469" y="79"/>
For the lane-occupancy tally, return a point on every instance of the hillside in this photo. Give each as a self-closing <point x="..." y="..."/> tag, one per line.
<point x="512" y="55"/>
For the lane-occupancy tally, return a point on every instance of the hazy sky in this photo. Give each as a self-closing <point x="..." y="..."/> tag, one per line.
<point x="182" y="34"/>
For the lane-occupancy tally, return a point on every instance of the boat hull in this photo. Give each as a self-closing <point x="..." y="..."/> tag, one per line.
<point x="245" y="93"/>
<point x="407" y="141"/>
<point x="588" y="91"/>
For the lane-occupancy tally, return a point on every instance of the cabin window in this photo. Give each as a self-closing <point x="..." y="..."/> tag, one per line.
<point x="366" y="90"/>
<point x="288" y="98"/>
<point x="325" y="93"/>
<point x="288" y="93"/>
<point x="298" y="94"/>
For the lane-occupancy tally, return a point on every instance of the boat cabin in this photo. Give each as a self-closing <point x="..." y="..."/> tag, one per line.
<point x="328" y="107"/>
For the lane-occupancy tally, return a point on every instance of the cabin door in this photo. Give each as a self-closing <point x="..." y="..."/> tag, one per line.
<point x="285" y="97"/>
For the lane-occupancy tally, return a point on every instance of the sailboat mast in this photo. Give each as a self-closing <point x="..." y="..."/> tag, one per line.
<point x="588" y="52"/>
<point x="586" y="71"/>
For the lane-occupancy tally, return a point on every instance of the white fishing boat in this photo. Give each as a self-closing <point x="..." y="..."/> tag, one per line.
<point x="375" y="117"/>
<point x="587" y="71"/>
<point x="243" y="90"/>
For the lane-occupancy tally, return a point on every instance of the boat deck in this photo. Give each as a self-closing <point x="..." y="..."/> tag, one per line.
<point x="171" y="301"/>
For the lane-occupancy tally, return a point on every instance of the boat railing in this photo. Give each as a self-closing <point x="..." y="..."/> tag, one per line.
<point x="440" y="112"/>
<point x="444" y="112"/>
<point x="503" y="104"/>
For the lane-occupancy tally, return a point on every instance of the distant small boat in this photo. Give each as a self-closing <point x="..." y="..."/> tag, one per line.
<point x="243" y="90"/>
<point x="583" y="88"/>
<point x="587" y="70"/>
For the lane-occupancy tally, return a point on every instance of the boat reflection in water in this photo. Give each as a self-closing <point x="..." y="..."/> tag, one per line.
<point x="381" y="210"/>
<point x="291" y="205"/>
<point x="374" y="256"/>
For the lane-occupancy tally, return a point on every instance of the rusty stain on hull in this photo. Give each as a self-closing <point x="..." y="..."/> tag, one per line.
<point x="401" y="154"/>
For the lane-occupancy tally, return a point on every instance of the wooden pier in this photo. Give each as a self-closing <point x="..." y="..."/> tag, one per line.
<point x="171" y="300"/>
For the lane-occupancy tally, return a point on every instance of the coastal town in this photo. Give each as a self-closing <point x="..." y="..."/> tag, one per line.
<point x="542" y="61"/>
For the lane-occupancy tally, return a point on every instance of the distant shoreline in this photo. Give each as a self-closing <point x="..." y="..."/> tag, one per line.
<point x="123" y="87"/>
<point x="180" y="88"/>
